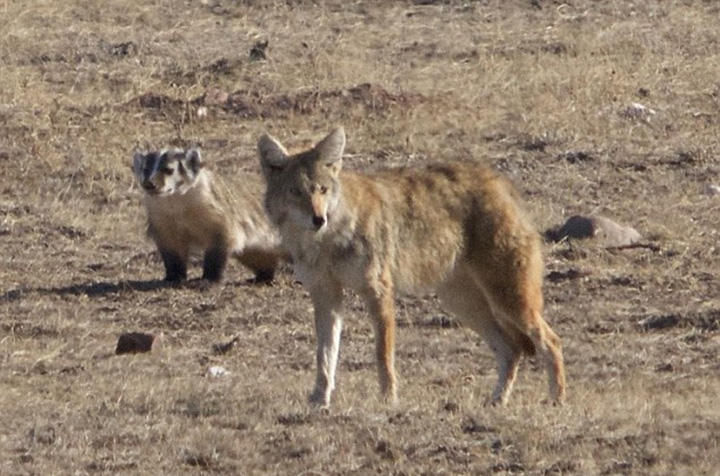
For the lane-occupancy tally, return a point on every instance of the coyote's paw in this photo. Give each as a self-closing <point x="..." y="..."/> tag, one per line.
<point x="390" y="399"/>
<point x="555" y="402"/>
<point x="319" y="399"/>
<point x="494" y="401"/>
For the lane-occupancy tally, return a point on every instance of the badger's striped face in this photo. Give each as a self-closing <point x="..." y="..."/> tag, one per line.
<point x="167" y="172"/>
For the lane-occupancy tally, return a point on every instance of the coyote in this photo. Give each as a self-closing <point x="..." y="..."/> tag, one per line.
<point x="455" y="228"/>
<point x="191" y="210"/>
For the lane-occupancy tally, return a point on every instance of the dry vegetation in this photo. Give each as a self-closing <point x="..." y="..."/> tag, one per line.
<point x="539" y="90"/>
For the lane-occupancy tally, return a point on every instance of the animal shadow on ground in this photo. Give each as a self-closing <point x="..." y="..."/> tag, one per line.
<point x="106" y="288"/>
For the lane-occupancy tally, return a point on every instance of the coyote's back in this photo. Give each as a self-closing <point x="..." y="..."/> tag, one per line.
<point x="432" y="219"/>
<point x="456" y="228"/>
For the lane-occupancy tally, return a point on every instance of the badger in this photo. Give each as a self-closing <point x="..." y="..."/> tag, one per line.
<point x="192" y="211"/>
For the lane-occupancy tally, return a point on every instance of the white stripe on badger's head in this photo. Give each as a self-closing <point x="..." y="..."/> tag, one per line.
<point x="167" y="172"/>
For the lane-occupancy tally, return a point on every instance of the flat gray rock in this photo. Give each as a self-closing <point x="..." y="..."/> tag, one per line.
<point x="606" y="231"/>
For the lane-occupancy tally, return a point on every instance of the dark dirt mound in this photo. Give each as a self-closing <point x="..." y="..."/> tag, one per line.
<point x="254" y="104"/>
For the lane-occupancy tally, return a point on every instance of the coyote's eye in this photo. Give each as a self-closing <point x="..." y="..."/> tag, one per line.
<point x="323" y="190"/>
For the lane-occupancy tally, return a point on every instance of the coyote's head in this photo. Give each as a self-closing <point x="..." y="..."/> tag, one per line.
<point x="303" y="188"/>
<point x="167" y="172"/>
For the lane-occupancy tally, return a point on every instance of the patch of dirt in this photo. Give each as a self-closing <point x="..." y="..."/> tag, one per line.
<point x="370" y="97"/>
<point x="159" y="105"/>
<point x="27" y="330"/>
<point x="570" y="274"/>
<point x="255" y="104"/>
<point x="708" y="321"/>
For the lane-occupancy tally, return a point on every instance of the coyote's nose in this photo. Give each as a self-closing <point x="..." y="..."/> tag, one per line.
<point x="318" y="221"/>
<point x="147" y="185"/>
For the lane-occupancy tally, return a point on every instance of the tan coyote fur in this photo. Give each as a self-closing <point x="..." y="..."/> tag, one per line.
<point x="456" y="228"/>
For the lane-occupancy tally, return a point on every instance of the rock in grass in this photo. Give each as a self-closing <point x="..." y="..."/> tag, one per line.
<point x="224" y="348"/>
<point x="659" y="322"/>
<point x="637" y="111"/>
<point x="712" y="190"/>
<point x="610" y="234"/>
<point x="138" y="342"/>
<point x="216" y="371"/>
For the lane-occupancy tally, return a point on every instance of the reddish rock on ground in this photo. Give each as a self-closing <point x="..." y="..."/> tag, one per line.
<point x="137" y="342"/>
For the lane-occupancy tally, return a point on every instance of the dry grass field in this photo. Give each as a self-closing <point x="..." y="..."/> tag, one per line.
<point x="540" y="90"/>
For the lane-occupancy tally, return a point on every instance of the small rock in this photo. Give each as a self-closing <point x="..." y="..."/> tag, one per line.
<point x="510" y="467"/>
<point x="610" y="233"/>
<point x="621" y="466"/>
<point x="44" y="435"/>
<point x="713" y="190"/>
<point x="40" y="367"/>
<point x="72" y="369"/>
<point x="137" y="342"/>
<point x="123" y="49"/>
<point x="221" y="349"/>
<point x="257" y="52"/>
<point x="451" y="407"/>
<point x="576" y="157"/>
<point x="659" y="322"/>
<point x="217" y="371"/>
<point x="201" y="460"/>
<point x="442" y="321"/>
<point x="572" y="273"/>
<point x="472" y="426"/>
<point x="386" y="450"/>
<point x="667" y="367"/>
<point x="158" y="344"/>
<point x="215" y="97"/>
<point x="637" y="111"/>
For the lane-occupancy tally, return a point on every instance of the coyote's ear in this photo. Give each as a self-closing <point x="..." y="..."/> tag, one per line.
<point x="194" y="160"/>
<point x="273" y="156"/>
<point x="330" y="149"/>
<point x="138" y="159"/>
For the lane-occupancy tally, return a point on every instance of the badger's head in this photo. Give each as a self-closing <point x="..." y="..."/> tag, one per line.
<point x="167" y="172"/>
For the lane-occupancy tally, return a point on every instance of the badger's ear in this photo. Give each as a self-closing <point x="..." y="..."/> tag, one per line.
<point x="194" y="160"/>
<point x="273" y="156"/>
<point x="330" y="149"/>
<point x="138" y="162"/>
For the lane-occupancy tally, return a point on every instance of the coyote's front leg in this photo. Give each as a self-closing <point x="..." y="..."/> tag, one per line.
<point x="380" y="301"/>
<point x="327" y="299"/>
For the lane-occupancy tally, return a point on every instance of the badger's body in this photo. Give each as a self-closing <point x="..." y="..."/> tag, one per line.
<point x="191" y="211"/>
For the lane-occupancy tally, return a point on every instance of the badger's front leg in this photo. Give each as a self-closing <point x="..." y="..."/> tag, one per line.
<point x="214" y="262"/>
<point x="175" y="265"/>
